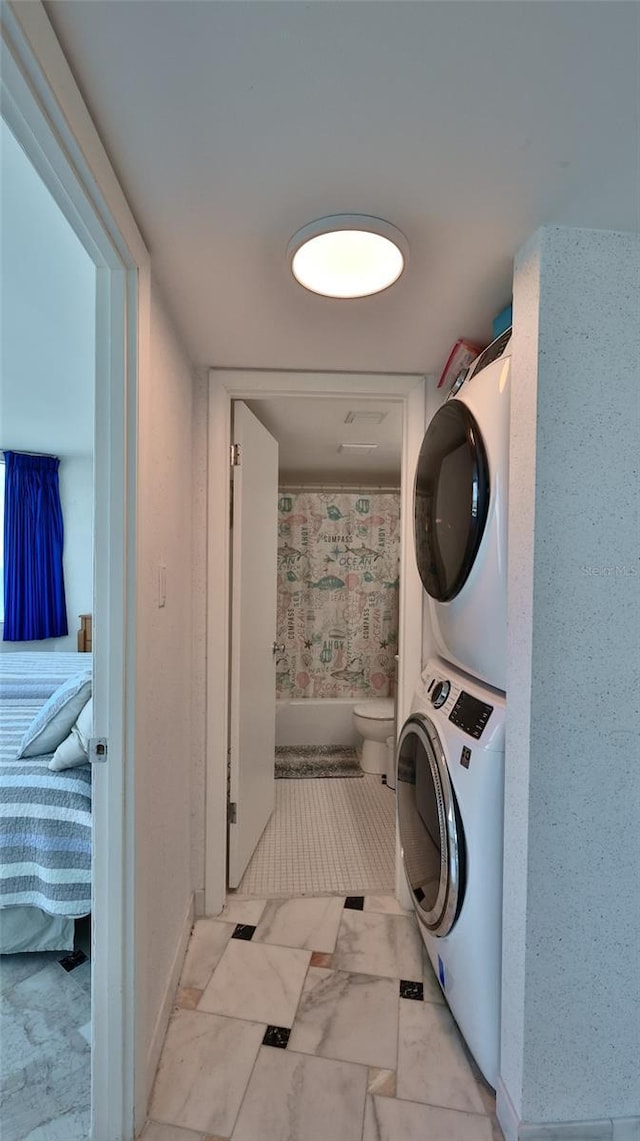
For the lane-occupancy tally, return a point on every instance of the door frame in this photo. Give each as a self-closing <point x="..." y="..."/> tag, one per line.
<point x="43" y="108"/>
<point x="226" y="385"/>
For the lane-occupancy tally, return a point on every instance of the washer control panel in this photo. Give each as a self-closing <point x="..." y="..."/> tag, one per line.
<point x="470" y="715"/>
<point x="452" y="699"/>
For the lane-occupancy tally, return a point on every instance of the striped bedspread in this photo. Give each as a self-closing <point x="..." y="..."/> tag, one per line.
<point x="45" y="817"/>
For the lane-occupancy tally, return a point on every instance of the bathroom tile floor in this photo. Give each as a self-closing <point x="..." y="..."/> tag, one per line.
<point x="325" y="836"/>
<point x="315" y="1019"/>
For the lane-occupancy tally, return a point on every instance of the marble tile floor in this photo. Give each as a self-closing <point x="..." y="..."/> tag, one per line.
<point x="315" y="1019"/>
<point x="45" y="1052"/>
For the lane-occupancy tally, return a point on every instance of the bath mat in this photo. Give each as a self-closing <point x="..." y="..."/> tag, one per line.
<point x="308" y="761"/>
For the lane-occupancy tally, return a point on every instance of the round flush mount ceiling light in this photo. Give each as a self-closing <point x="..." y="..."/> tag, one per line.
<point x="347" y="255"/>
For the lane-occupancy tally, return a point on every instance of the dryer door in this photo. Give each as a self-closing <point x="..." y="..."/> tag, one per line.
<point x="431" y="833"/>
<point x="451" y="500"/>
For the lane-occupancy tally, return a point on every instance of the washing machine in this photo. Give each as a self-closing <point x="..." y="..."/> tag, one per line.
<point x="450" y="791"/>
<point x="460" y="514"/>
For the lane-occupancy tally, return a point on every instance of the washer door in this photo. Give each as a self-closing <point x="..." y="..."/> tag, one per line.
<point x="451" y="500"/>
<point x="431" y="833"/>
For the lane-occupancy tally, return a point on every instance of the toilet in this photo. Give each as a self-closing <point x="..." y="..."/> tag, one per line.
<point x="374" y="720"/>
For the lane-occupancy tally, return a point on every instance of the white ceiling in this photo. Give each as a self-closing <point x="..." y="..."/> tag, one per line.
<point x="467" y="125"/>
<point x="309" y="432"/>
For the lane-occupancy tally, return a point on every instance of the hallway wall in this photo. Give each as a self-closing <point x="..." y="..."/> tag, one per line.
<point x="163" y="762"/>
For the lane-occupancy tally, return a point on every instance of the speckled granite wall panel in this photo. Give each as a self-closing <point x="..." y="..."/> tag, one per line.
<point x="572" y="1006"/>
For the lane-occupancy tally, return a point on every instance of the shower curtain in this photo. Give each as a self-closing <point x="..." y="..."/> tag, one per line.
<point x="337" y="593"/>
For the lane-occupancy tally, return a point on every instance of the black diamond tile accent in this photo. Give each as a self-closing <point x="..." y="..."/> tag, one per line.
<point x="243" y="931"/>
<point x="75" y="959"/>
<point x="276" y="1036"/>
<point x="354" y="902"/>
<point x="411" y="990"/>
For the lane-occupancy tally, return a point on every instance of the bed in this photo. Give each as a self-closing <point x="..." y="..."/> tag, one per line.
<point x="45" y="816"/>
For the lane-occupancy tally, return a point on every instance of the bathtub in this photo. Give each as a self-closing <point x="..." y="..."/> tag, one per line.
<point x="316" y="721"/>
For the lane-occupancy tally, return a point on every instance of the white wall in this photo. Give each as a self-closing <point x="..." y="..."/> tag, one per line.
<point x="164" y="671"/>
<point x="47" y="356"/>
<point x="76" y="495"/>
<point x="571" y="977"/>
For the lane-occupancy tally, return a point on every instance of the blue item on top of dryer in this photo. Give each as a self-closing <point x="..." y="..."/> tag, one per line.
<point x="503" y="321"/>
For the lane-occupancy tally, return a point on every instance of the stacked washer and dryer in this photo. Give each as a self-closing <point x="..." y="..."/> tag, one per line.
<point x="450" y="752"/>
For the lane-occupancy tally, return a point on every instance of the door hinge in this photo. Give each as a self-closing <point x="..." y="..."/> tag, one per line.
<point x="98" y="750"/>
<point x="234" y="455"/>
<point x="232" y="814"/>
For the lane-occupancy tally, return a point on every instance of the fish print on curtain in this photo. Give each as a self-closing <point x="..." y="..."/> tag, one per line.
<point x="337" y="594"/>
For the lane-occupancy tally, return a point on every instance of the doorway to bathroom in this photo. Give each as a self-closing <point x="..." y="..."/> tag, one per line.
<point x="336" y="637"/>
<point x="311" y="396"/>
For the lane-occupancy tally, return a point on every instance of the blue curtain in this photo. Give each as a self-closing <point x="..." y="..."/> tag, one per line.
<point x="34" y="600"/>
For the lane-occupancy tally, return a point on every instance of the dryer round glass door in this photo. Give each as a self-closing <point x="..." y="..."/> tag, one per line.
<point x="431" y="833"/>
<point x="451" y="500"/>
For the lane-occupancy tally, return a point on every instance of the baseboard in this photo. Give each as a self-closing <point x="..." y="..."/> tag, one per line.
<point x="198" y="903"/>
<point x="619" y="1129"/>
<point x="505" y="1111"/>
<point x="162" y="1021"/>
<point x="567" y="1131"/>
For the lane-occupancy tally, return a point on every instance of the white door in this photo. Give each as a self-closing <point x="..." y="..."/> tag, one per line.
<point x="252" y="714"/>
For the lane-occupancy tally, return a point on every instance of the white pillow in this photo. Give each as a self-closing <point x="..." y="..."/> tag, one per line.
<point x="83" y="727"/>
<point x="74" y="750"/>
<point x="52" y="723"/>
<point x="69" y="754"/>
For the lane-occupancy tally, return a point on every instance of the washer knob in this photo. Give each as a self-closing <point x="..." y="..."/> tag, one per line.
<point x="440" y="693"/>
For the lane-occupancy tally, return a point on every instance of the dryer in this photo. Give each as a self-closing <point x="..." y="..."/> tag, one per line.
<point x="460" y="511"/>
<point x="450" y="791"/>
